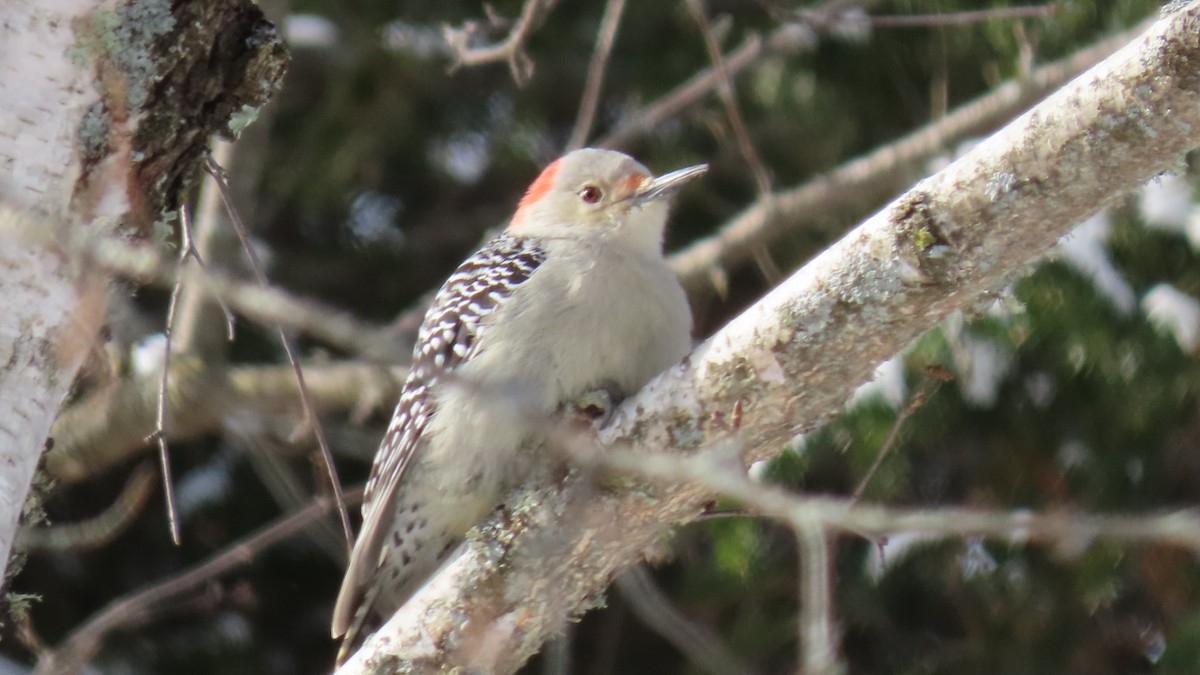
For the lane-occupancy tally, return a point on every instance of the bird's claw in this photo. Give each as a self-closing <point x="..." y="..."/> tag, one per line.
<point x="594" y="408"/>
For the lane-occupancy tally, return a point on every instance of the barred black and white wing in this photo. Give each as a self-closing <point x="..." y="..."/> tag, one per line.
<point x="448" y="337"/>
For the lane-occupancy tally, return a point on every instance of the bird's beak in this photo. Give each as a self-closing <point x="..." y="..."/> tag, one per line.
<point x="667" y="184"/>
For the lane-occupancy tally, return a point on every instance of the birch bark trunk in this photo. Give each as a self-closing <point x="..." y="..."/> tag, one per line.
<point x="105" y="111"/>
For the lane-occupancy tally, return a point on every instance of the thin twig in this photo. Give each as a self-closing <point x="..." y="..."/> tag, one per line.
<point x="595" y="77"/>
<point x="789" y="38"/>
<point x="159" y="435"/>
<point x="510" y="50"/>
<point x="226" y="313"/>
<point x="693" y="640"/>
<point x="187" y="251"/>
<point x="725" y="91"/>
<point x="266" y="453"/>
<point x="792" y="38"/>
<point x="818" y="635"/>
<point x="140" y="606"/>
<point x="310" y="409"/>
<point x="99" y="530"/>
<point x="194" y="316"/>
<point x="824" y="19"/>
<point x="729" y="99"/>
<point x="913" y="404"/>
<point x="963" y="18"/>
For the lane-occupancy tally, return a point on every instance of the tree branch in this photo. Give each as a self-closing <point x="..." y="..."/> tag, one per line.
<point x="110" y="425"/>
<point x="875" y="176"/>
<point x="98" y="530"/>
<point x="831" y="16"/>
<point x="847" y="516"/>
<point x="268" y="305"/>
<point x="510" y="50"/>
<point x="695" y="641"/>
<point x="605" y="38"/>
<point x="818" y="645"/>
<point x="141" y="605"/>
<point x="792" y="38"/>
<point x="725" y="91"/>
<point x="964" y="18"/>
<point x="789" y="362"/>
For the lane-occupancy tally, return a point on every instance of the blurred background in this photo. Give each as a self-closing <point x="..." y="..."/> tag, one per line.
<point x="381" y="165"/>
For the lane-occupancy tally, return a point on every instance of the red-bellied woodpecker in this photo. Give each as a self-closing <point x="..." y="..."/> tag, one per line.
<point x="574" y="296"/>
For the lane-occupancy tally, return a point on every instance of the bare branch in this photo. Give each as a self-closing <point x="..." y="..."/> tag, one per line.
<point x="704" y="649"/>
<point x="98" y="531"/>
<point x="195" y="316"/>
<point x="510" y="50"/>
<point x="1074" y="531"/>
<point x="725" y="91"/>
<point x="729" y="99"/>
<point x="788" y="39"/>
<point x="875" y="176"/>
<point x="109" y="426"/>
<point x="913" y="404"/>
<point x="964" y="18"/>
<point x="818" y="635"/>
<point x="595" y="77"/>
<point x="187" y="252"/>
<point x="841" y="7"/>
<point x="268" y="305"/>
<point x="141" y="606"/>
<point x="310" y="409"/>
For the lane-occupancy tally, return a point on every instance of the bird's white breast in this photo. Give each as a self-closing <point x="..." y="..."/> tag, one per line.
<point x="591" y="315"/>
<point x="609" y="316"/>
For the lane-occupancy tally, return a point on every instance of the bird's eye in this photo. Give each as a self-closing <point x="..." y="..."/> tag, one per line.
<point x="591" y="194"/>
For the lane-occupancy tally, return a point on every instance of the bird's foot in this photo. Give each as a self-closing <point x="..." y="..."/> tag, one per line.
<point x="594" y="408"/>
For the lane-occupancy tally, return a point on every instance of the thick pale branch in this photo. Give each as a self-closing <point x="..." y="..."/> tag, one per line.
<point x="267" y="305"/>
<point x="111" y="425"/>
<point x="790" y="361"/>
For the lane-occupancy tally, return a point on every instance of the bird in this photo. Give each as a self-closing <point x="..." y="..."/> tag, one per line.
<point x="573" y="297"/>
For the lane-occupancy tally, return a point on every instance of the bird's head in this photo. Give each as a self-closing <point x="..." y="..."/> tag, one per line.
<point x="600" y="193"/>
